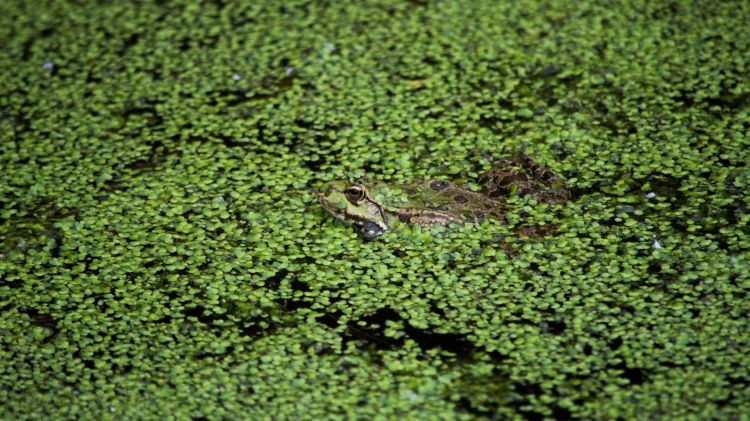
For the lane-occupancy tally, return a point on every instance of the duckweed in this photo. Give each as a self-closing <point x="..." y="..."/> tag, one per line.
<point x="161" y="253"/>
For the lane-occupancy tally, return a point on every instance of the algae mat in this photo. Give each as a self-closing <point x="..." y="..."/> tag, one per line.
<point x="162" y="256"/>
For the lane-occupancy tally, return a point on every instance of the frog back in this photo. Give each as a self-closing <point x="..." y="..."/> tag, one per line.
<point x="453" y="199"/>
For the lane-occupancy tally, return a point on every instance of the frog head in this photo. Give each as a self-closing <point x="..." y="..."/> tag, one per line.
<point x="353" y="204"/>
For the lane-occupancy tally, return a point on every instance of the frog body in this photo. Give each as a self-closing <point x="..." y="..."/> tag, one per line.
<point x="371" y="208"/>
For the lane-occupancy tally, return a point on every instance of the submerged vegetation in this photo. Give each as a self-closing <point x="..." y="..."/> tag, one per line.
<point x="162" y="253"/>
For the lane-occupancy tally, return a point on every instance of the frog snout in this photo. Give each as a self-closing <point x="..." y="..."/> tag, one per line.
<point x="323" y="189"/>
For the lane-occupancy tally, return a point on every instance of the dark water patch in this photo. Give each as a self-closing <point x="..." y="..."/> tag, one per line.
<point x="274" y="281"/>
<point x="201" y="313"/>
<point x="554" y="327"/>
<point x="44" y="320"/>
<point x="28" y="45"/>
<point x="451" y="342"/>
<point x="525" y="390"/>
<point x="128" y="43"/>
<point x="143" y="107"/>
<point x="154" y="158"/>
<point x="373" y="327"/>
<point x="34" y="226"/>
<point x="635" y="375"/>
<point x="481" y="395"/>
<point x="547" y="71"/>
<point x="730" y="101"/>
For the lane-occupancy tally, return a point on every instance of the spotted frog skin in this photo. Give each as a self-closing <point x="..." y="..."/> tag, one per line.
<point x="371" y="208"/>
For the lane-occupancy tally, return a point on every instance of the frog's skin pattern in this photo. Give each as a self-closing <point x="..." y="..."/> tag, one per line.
<point x="371" y="207"/>
<point x="522" y="176"/>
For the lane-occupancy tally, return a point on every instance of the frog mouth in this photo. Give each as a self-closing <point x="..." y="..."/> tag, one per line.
<point x="370" y="230"/>
<point x="366" y="228"/>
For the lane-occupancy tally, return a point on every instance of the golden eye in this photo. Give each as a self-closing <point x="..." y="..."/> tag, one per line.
<point x="355" y="193"/>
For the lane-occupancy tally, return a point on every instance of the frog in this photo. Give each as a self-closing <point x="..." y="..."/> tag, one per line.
<point x="372" y="208"/>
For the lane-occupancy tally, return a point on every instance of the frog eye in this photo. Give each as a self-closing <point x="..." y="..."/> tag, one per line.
<point x="355" y="193"/>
